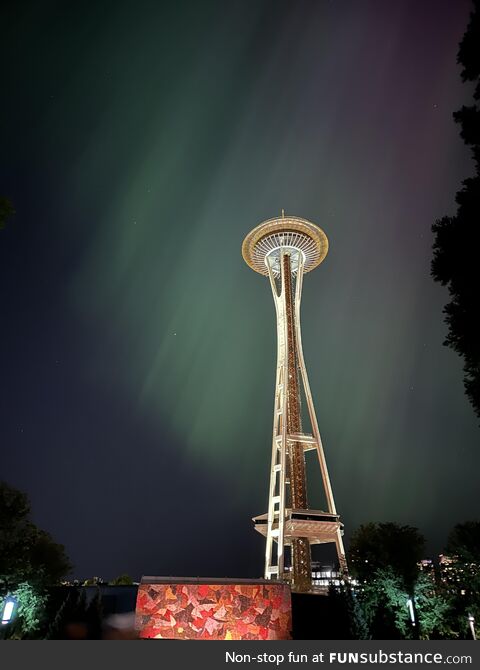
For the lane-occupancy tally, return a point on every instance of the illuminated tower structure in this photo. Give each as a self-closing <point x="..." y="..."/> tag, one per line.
<point x="284" y="249"/>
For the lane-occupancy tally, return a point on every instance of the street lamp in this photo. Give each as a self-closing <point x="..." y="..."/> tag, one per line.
<point x="410" y="609"/>
<point x="8" y="608"/>
<point x="471" y="622"/>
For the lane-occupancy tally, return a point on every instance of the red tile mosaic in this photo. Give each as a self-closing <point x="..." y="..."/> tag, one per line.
<point x="214" y="611"/>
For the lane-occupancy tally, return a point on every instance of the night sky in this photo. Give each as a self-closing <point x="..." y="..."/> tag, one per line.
<point x="139" y="143"/>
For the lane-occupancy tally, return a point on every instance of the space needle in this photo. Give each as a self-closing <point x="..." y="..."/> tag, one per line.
<point x="284" y="249"/>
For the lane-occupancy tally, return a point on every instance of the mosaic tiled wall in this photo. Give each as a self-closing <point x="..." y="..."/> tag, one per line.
<point x="214" y="611"/>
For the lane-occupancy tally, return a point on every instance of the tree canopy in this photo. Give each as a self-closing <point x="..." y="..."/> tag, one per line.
<point x="457" y="238"/>
<point x="464" y="542"/>
<point x="122" y="580"/>
<point x="28" y="554"/>
<point x="386" y="546"/>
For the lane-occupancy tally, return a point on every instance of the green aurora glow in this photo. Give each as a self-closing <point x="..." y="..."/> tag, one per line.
<point x="217" y="151"/>
<point x="178" y="132"/>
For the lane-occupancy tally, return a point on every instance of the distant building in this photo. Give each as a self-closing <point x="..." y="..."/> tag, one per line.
<point x="427" y="566"/>
<point x="455" y="575"/>
<point x="450" y="574"/>
<point x="325" y="575"/>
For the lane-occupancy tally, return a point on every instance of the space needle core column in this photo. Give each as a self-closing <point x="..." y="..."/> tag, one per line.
<point x="284" y="249"/>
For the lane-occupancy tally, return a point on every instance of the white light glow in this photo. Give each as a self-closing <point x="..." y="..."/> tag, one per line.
<point x="7" y="611"/>
<point x="410" y="607"/>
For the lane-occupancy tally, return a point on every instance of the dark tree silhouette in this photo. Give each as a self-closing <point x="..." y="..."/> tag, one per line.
<point x="457" y="238"/>
<point x="386" y="546"/>
<point x="30" y="562"/>
<point x="27" y="554"/>
<point x="122" y="580"/>
<point x="464" y="542"/>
